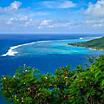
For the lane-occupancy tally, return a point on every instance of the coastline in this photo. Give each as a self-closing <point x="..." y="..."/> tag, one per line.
<point x="95" y="44"/>
<point x="91" y="48"/>
<point x="12" y="50"/>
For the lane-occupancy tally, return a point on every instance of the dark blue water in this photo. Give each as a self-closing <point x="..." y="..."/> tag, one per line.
<point x="45" y="63"/>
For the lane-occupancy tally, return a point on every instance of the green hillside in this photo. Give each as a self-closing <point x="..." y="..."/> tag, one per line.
<point x="96" y="43"/>
<point x="66" y="86"/>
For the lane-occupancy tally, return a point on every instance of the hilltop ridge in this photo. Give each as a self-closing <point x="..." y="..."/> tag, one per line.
<point x="94" y="44"/>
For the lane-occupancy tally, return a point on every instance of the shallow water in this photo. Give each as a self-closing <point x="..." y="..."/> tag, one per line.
<point x="50" y="47"/>
<point x="45" y="53"/>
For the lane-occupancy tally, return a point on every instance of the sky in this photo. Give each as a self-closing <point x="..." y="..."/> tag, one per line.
<point x="51" y="16"/>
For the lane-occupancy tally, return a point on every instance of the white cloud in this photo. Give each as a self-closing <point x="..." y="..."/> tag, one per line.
<point x="10" y="21"/>
<point x="18" y="19"/>
<point x="96" y="23"/>
<point x="67" y="4"/>
<point x="94" y="16"/>
<point x="22" y="20"/>
<point x="52" y="24"/>
<point x="96" y="9"/>
<point x="15" y="5"/>
<point x="11" y="8"/>
<point x="58" y="4"/>
<point x="44" y="23"/>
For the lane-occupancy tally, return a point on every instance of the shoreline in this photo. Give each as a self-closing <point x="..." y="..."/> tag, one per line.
<point x="95" y="44"/>
<point x="12" y="52"/>
<point x="91" y="48"/>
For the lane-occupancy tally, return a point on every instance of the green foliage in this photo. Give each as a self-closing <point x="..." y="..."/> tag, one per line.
<point x="96" y="43"/>
<point x="80" y="86"/>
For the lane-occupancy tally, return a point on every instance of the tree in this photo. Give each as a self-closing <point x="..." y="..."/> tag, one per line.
<point x="66" y="86"/>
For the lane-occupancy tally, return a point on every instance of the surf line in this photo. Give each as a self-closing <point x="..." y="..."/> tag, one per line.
<point x="12" y="50"/>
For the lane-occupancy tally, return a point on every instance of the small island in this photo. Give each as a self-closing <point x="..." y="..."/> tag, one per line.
<point x="97" y="44"/>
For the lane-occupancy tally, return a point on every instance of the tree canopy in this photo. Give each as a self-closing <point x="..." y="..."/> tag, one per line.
<point x="65" y="86"/>
<point x="97" y="43"/>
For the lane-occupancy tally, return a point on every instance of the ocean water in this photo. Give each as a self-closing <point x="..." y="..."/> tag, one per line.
<point x="45" y="52"/>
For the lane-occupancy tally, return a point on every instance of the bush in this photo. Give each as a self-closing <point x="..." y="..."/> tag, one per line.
<point x="80" y="86"/>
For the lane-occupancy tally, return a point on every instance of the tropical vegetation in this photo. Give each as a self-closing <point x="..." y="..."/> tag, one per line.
<point x="65" y="86"/>
<point x="95" y="43"/>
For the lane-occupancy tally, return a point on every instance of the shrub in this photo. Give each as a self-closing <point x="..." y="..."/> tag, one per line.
<point x="65" y="86"/>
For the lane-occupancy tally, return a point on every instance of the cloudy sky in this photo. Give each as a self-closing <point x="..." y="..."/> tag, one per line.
<point x="51" y="16"/>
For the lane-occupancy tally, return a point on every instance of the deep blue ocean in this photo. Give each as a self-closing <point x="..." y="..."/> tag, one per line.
<point x="45" y="52"/>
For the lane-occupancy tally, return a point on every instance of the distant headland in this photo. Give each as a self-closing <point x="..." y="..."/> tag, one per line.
<point x="97" y="44"/>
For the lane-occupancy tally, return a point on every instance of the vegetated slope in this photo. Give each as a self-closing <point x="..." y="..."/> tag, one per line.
<point x="96" y="43"/>
<point x="66" y="86"/>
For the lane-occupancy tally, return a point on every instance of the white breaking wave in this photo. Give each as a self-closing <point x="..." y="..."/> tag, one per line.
<point x="13" y="52"/>
<point x="90" y="38"/>
<point x="81" y="38"/>
<point x="10" y="52"/>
